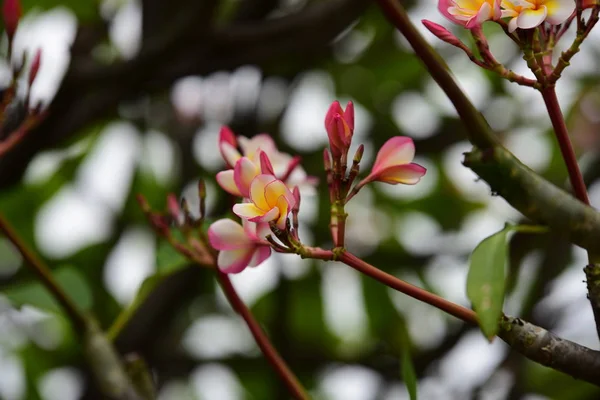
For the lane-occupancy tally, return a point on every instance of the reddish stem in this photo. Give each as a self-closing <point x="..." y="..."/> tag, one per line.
<point x="564" y="142"/>
<point x="262" y="340"/>
<point x="453" y="309"/>
<point x="44" y="274"/>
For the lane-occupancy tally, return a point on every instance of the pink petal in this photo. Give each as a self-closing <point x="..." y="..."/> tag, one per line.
<point x="229" y="153"/>
<point x="258" y="191"/>
<point x="349" y="115"/>
<point x="226" y="234"/>
<point x="530" y="18"/>
<point x="396" y="151"/>
<point x="408" y="174"/>
<point x="226" y="181"/>
<point x="444" y="7"/>
<point x="234" y="261"/>
<point x="250" y="229"/>
<point x="247" y="210"/>
<point x="334" y="109"/>
<point x="559" y="10"/>
<point x="250" y="146"/>
<point x="274" y="190"/>
<point x="266" y="167"/>
<point x="243" y="174"/>
<point x="483" y="14"/>
<point x="260" y="255"/>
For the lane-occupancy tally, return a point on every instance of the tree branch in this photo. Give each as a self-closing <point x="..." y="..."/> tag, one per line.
<point x="547" y="349"/>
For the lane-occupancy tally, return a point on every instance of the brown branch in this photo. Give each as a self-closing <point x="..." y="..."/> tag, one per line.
<point x="547" y="349"/>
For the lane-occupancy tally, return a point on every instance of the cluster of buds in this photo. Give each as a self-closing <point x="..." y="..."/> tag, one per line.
<point x="191" y="241"/>
<point x="268" y="184"/>
<point x="16" y="116"/>
<point x="535" y="25"/>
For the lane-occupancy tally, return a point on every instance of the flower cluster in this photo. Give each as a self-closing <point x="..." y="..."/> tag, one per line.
<point x="268" y="182"/>
<point x="263" y="177"/>
<point x="523" y="14"/>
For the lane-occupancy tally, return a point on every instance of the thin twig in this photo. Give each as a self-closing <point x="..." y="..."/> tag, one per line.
<point x="44" y="274"/>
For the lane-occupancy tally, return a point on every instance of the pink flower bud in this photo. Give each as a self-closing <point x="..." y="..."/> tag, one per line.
<point x="265" y="164"/>
<point x="11" y="13"/>
<point x="339" y="125"/>
<point x="173" y="206"/>
<point x="443" y="33"/>
<point x="35" y="66"/>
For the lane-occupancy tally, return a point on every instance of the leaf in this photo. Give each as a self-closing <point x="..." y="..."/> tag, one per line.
<point x="486" y="281"/>
<point x="83" y="9"/>
<point x="406" y="365"/>
<point x="35" y="294"/>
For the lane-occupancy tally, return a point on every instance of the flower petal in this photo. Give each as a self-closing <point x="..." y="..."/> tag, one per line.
<point x="408" y="174"/>
<point x="226" y="181"/>
<point x="247" y="210"/>
<point x="260" y="255"/>
<point x="531" y="18"/>
<point x="244" y="172"/>
<point x="258" y="191"/>
<point x="234" y="261"/>
<point x="284" y="208"/>
<point x="250" y="146"/>
<point x="559" y="10"/>
<point x="396" y="151"/>
<point x="274" y="190"/>
<point x="269" y="216"/>
<point x="226" y="234"/>
<point x="334" y="108"/>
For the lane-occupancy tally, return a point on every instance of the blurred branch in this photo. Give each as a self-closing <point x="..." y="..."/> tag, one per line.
<point x="102" y="358"/>
<point x="91" y="91"/>
<point x="286" y="375"/>
<point x="43" y="273"/>
<point x="547" y="349"/>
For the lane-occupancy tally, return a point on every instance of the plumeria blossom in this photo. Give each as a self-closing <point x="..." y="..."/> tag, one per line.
<point x="270" y="200"/>
<point x="470" y="13"/>
<point x="239" y="246"/>
<point x="394" y="164"/>
<point x="527" y="14"/>
<point x="282" y="165"/>
<point x="237" y="180"/>
<point x="339" y="125"/>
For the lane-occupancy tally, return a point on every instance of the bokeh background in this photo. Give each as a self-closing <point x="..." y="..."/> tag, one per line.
<point x="139" y="90"/>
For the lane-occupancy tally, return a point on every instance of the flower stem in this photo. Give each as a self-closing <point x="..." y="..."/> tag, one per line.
<point x="566" y="148"/>
<point x="284" y="372"/>
<point x="415" y="292"/>
<point x="43" y="272"/>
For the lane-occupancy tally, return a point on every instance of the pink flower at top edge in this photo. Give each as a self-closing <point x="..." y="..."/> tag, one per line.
<point x="239" y="246"/>
<point x="470" y="13"/>
<point x="394" y="164"/>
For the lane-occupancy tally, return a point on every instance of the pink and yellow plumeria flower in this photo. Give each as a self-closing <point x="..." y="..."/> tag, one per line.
<point x="339" y="125"/>
<point x="470" y="13"/>
<point x="239" y="246"/>
<point x="270" y="200"/>
<point x="394" y="164"/>
<point x="252" y="148"/>
<point x="527" y="14"/>
<point x="237" y="180"/>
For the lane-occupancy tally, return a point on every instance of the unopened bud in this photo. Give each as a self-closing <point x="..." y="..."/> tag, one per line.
<point x="443" y="34"/>
<point x="327" y="159"/>
<point x="143" y="203"/>
<point x="202" y="196"/>
<point x="359" y="153"/>
<point x="173" y="206"/>
<point x="296" y="193"/>
<point x="11" y="13"/>
<point x="265" y="164"/>
<point x="35" y="66"/>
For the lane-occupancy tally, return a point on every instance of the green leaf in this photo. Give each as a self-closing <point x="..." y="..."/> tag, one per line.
<point x="35" y="294"/>
<point x="486" y="281"/>
<point x="406" y="365"/>
<point x="83" y="9"/>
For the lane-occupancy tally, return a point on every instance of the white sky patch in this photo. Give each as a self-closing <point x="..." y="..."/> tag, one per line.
<point x="61" y="384"/>
<point x="218" y="336"/>
<point x="216" y="382"/>
<point x="349" y="382"/>
<point x="130" y="262"/>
